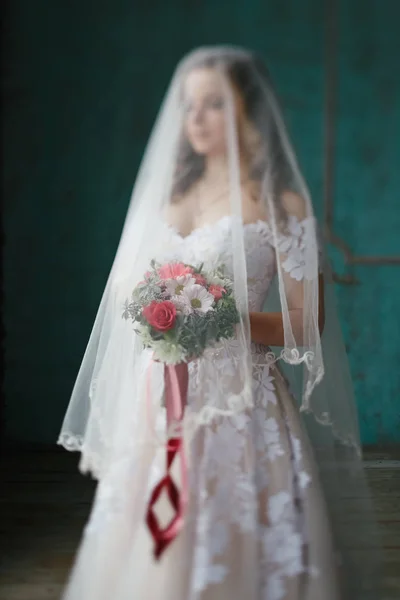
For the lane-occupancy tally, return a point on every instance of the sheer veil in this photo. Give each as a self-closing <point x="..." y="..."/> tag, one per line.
<point x="110" y="413"/>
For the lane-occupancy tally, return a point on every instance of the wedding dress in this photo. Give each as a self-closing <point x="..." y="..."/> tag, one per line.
<point x="277" y="503"/>
<point x="257" y="526"/>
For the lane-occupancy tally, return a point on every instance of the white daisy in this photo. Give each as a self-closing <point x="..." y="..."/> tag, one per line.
<point x="175" y="286"/>
<point x="194" y="298"/>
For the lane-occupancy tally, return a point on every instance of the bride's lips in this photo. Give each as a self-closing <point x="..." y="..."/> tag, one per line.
<point x="200" y="134"/>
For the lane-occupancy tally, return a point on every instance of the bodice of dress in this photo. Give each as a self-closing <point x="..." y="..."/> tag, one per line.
<point x="211" y="245"/>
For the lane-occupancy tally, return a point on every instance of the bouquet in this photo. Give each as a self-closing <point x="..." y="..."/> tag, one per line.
<point x="180" y="310"/>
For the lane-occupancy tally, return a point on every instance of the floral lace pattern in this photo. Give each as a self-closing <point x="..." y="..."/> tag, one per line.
<point x="260" y="248"/>
<point x="248" y="501"/>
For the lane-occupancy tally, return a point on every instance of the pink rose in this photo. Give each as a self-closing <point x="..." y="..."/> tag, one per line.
<point x="174" y="270"/>
<point x="160" y="315"/>
<point x="216" y="291"/>
<point x="199" y="279"/>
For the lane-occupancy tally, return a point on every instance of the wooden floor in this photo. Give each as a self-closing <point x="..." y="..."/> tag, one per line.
<point x="45" y="503"/>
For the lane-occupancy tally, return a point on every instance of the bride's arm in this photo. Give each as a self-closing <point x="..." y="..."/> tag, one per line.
<point x="267" y="328"/>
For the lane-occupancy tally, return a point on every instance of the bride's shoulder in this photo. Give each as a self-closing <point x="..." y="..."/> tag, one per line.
<point x="294" y="204"/>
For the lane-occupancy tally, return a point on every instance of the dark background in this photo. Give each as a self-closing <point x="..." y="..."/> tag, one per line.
<point x="82" y="84"/>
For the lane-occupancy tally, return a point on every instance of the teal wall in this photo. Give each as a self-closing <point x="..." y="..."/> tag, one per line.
<point x="83" y="83"/>
<point x="368" y="207"/>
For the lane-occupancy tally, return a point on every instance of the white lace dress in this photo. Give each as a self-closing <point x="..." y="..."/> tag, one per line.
<point x="256" y="526"/>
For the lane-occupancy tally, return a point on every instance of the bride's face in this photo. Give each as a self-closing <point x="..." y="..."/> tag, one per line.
<point x="205" y="122"/>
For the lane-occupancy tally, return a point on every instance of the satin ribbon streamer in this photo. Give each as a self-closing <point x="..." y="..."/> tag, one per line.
<point x="176" y="379"/>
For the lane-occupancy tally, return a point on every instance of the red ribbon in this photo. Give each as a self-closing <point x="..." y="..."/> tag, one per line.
<point x="176" y="379"/>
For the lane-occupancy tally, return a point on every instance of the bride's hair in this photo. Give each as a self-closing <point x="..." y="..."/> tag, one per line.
<point x="259" y="138"/>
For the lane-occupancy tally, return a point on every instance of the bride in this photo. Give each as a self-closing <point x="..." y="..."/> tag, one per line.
<point x="270" y="501"/>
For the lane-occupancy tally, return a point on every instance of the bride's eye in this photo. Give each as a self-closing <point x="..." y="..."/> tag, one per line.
<point x="216" y="103"/>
